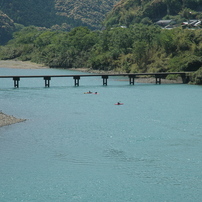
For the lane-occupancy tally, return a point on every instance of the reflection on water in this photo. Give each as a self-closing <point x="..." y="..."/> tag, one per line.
<point x="117" y="155"/>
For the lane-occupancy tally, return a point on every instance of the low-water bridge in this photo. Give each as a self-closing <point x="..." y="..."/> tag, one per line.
<point x="158" y="76"/>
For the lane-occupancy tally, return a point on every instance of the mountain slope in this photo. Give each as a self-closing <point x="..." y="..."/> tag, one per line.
<point x="50" y="12"/>
<point x="32" y="12"/>
<point x="88" y="12"/>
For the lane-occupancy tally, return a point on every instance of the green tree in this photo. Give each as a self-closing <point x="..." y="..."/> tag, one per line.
<point x="26" y="35"/>
<point x="167" y="41"/>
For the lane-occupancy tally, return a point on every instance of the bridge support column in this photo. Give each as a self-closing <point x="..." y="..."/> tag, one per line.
<point x="104" y="77"/>
<point x="47" y="81"/>
<point x="158" y="80"/>
<point x="185" y="78"/>
<point x="16" y="82"/>
<point x="159" y="77"/>
<point x="131" y="79"/>
<point x="76" y="80"/>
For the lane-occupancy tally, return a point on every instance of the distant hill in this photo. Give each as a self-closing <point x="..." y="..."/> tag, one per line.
<point x="94" y="14"/>
<point x="32" y="12"/>
<point x="128" y="12"/>
<point x="54" y="14"/>
<point x="85" y="12"/>
<point x="47" y="13"/>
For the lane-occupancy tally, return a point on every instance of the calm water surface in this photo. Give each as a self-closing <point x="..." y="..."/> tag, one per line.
<point x="79" y="147"/>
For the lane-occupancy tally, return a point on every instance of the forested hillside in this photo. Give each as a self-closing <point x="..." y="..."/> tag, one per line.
<point x="32" y="12"/>
<point x="128" y="12"/>
<point x="140" y="48"/>
<point x="47" y="13"/>
<point x="85" y="12"/>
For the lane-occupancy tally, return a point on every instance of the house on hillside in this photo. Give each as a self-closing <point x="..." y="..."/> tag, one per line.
<point x="192" y="23"/>
<point x="167" y="24"/>
<point x="164" y="23"/>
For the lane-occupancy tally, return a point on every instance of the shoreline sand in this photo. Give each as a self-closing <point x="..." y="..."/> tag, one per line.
<point x="8" y="120"/>
<point x="17" y="64"/>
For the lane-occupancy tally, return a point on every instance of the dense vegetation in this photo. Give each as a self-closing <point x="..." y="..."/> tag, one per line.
<point x="47" y="13"/>
<point x="32" y="12"/>
<point x="86" y="12"/>
<point x="91" y="13"/>
<point x="128" y="12"/>
<point x="140" y="48"/>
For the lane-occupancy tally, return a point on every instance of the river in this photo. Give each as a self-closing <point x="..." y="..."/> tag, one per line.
<point x="80" y="147"/>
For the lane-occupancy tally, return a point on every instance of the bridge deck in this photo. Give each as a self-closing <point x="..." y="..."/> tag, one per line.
<point x="47" y="78"/>
<point x="91" y="75"/>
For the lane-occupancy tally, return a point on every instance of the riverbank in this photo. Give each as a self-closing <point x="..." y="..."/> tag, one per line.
<point x="8" y="120"/>
<point x="16" y="64"/>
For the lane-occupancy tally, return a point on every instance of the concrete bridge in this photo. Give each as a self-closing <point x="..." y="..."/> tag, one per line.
<point x="158" y="76"/>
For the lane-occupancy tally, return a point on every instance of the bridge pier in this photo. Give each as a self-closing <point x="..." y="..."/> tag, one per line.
<point x="131" y="79"/>
<point x="47" y="81"/>
<point x="76" y="80"/>
<point x="158" y="80"/>
<point x="16" y="82"/>
<point x="185" y="78"/>
<point x="104" y="77"/>
<point x="159" y="77"/>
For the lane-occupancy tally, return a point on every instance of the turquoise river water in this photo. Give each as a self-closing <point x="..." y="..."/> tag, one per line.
<point x="78" y="147"/>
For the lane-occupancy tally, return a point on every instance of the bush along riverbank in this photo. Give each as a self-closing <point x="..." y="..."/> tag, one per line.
<point x="139" y="48"/>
